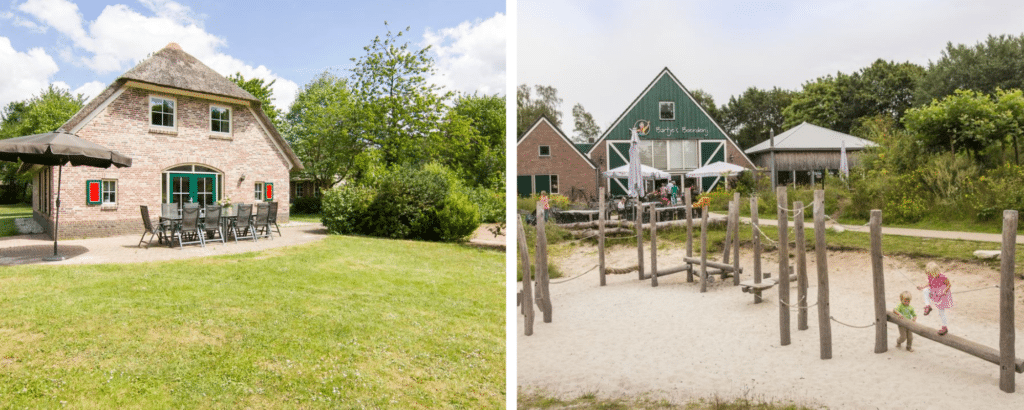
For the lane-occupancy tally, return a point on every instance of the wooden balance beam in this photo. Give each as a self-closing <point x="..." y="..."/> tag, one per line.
<point x="711" y="264"/>
<point x="983" y="352"/>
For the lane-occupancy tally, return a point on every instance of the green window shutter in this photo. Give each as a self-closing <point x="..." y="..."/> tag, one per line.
<point x="93" y="192"/>
<point x="268" y="190"/>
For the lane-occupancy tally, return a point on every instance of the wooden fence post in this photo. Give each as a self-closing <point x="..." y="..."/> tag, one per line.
<point x="689" y="233"/>
<point x="801" y="265"/>
<point x="735" y="216"/>
<point x="881" y="335"/>
<point x="824" y="324"/>
<point x="756" y="239"/>
<point x="782" y="203"/>
<point x="543" y="298"/>
<point x="600" y="239"/>
<point x="640" y="239"/>
<point x="654" y="246"/>
<point x="704" y="249"/>
<point x="1007" y="336"/>
<point x="524" y="257"/>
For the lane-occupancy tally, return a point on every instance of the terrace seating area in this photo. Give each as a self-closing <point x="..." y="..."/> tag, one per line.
<point x="192" y="224"/>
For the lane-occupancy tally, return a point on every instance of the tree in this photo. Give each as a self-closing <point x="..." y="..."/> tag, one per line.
<point x="996" y="63"/>
<point x="751" y="116"/>
<point x="320" y="128"/>
<point x="529" y="110"/>
<point x="473" y="142"/>
<point x="886" y="88"/>
<point x="707" y="102"/>
<point x="966" y="120"/>
<point x="400" y="108"/>
<point x="261" y="90"/>
<point x="42" y="113"/>
<point x="586" y="128"/>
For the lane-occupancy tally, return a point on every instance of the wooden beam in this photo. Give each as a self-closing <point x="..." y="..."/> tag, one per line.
<point x="824" y="324"/>
<point x="711" y="264"/>
<point x="878" y="277"/>
<point x="524" y="255"/>
<point x="600" y="238"/>
<point x="1006" y="301"/>
<point x="543" y="299"/>
<point x="982" y="352"/>
<point x="654" y="247"/>
<point x="783" y="204"/>
<point x="801" y="266"/>
<point x="756" y="239"/>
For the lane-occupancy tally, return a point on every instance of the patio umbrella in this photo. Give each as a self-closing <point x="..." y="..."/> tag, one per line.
<point x="646" y="172"/>
<point x="59" y="148"/>
<point x="844" y="167"/>
<point x="635" y="182"/>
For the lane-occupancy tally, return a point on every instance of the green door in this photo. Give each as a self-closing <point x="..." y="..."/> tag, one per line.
<point x="542" y="183"/>
<point x="524" y="185"/>
<point x="198" y="188"/>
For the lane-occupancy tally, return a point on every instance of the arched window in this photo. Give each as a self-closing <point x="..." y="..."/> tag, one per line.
<point x="191" y="183"/>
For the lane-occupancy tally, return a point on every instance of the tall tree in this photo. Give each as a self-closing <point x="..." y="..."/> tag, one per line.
<point x="965" y="121"/>
<point x="586" y="128"/>
<point x="529" y="109"/>
<point x="706" y="101"/>
<point x="887" y="88"/>
<point x="320" y="128"/>
<point x="259" y="88"/>
<point x="42" y="113"/>
<point x="751" y="116"/>
<point x="998" y="62"/>
<point x="401" y="108"/>
<point x="473" y="142"/>
<point x="822" y="102"/>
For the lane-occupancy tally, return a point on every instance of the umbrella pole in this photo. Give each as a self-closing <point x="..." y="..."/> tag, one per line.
<point x="56" y="220"/>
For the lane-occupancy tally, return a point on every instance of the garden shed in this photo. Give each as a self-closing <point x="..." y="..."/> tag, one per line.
<point x="805" y="151"/>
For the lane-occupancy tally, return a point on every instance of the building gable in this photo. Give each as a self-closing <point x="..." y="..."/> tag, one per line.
<point x="546" y="124"/>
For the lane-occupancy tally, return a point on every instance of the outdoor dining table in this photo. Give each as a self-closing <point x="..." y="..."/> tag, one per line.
<point x="175" y="222"/>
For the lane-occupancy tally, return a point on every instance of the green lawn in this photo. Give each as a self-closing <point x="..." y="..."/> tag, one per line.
<point x="343" y="323"/>
<point x="7" y="215"/>
<point x="305" y="217"/>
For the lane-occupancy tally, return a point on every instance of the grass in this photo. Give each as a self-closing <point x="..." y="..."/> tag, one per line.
<point x="345" y="322"/>
<point x="7" y="215"/>
<point x="305" y="217"/>
<point x="591" y="400"/>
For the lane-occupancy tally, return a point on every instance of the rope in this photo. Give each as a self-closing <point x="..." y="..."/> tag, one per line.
<point x="972" y="290"/>
<point x="574" y="277"/>
<point x="619" y="271"/>
<point x="849" y="325"/>
<point x="766" y="236"/>
<point x="791" y="307"/>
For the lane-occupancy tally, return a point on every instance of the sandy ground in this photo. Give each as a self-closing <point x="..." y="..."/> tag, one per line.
<point x="673" y="342"/>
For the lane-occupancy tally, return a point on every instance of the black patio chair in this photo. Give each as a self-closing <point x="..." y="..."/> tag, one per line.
<point x="272" y="217"/>
<point x="147" y="223"/>
<point x="242" y="228"/>
<point x="214" y="229"/>
<point x="190" y="227"/>
<point x="261" y="224"/>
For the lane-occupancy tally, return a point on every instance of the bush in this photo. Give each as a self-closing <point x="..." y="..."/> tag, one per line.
<point x="306" y="205"/>
<point x="428" y="203"/>
<point x="490" y="203"/>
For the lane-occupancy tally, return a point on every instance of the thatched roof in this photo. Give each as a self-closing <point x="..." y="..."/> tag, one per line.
<point x="173" y="67"/>
<point x="810" y="137"/>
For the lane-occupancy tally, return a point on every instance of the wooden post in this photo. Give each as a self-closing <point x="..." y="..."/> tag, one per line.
<point x="782" y="202"/>
<point x="1006" y="331"/>
<point x="543" y="299"/>
<point x="640" y="239"/>
<point x="801" y="265"/>
<point x="735" y="216"/>
<point x="524" y="256"/>
<point x="654" y="246"/>
<point x="727" y="242"/>
<point x="704" y="249"/>
<point x="689" y="233"/>
<point x="756" y="239"/>
<point x="881" y="335"/>
<point x="824" y="324"/>
<point x="600" y="238"/>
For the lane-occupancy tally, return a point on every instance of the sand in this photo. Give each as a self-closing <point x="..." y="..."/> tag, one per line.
<point x="673" y="342"/>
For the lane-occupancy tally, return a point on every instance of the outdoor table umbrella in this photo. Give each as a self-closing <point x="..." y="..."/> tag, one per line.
<point x="59" y="148"/>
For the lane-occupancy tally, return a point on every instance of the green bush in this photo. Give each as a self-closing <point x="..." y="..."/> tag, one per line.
<point x="306" y="205"/>
<point x="428" y="203"/>
<point x="490" y="202"/>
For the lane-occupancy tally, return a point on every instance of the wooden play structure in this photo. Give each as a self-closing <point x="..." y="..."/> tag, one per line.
<point x="541" y="284"/>
<point x="1005" y="356"/>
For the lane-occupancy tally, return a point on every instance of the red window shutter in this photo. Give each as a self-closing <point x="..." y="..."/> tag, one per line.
<point x="269" y="187"/>
<point x="93" y="194"/>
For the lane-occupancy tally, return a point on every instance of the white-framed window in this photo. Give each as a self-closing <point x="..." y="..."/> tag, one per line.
<point x="667" y="110"/>
<point x="260" y="186"/>
<point x="162" y="113"/>
<point x="554" y="184"/>
<point x="220" y="120"/>
<point x="109" y="191"/>
<point x="544" y="150"/>
<point x="299" y="191"/>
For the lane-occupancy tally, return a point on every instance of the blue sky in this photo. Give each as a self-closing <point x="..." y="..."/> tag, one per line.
<point x="85" y="45"/>
<point x="602" y="53"/>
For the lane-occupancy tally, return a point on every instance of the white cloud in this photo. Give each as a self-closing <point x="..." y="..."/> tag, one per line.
<point x="121" y="37"/>
<point x="471" y="56"/>
<point x="89" y="89"/>
<point x="23" y="74"/>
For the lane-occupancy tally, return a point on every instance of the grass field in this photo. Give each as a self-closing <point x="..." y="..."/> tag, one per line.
<point x="342" y="323"/>
<point x="7" y="215"/>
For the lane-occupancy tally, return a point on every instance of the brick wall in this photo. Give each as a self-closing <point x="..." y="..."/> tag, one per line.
<point x="124" y="127"/>
<point x="572" y="169"/>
